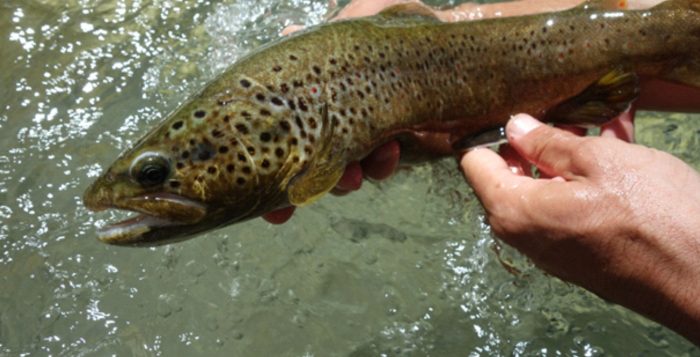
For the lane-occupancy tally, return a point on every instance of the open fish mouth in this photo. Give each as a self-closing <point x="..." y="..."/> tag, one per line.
<point x="158" y="219"/>
<point x="129" y="231"/>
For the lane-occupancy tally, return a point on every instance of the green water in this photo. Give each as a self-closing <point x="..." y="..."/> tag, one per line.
<point x="405" y="266"/>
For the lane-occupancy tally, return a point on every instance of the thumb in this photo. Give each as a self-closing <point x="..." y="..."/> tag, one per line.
<point x="552" y="150"/>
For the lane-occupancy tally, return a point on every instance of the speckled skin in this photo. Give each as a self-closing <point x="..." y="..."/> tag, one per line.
<point x="329" y="95"/>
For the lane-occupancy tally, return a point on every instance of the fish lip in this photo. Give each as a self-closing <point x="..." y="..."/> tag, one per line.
<point x="128" y="231"/>
<point x="132" y="231"/>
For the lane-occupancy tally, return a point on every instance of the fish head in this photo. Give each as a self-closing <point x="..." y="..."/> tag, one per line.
<point x="215" y="161"/>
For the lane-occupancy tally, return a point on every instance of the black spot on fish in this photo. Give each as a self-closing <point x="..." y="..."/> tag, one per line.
<point x="242" y="129"/>
<point x="260" y="97"/>
<point x="285" y="125"/>
<point x="185" y="155"/>
<point x="279" y="152"/>
<point x="312" y="123"/>
<point x="333" y="61"/>
<point x="230" y="168"/>
<point x="251" y="150"/>
<point x="317" y="70"/>
<point x="227" y="118"/>
<point x="265" y="112"/>
<point x="291" y="104"/>
<point x="200" y="114"/>
<point x="240" y="181"/>
<point x="223" y="149"/>
<point x="298" y="84"/>
<point x="175" y="184"/>
<point x="217" y="133"/>
<point x="277" y="101"/>
<point x="247" y="170"/>
<point x="205" y="151"/>
<point x="245" y="83"/>
<point x="180" y="165"/>
<point x="242" y="158"/>
<point x="300" y="123"/>
<point x="265" y="137"/>
<point x="211" y="170"/>
<point x="177" y="125"/>
<point x="265" y="164"/>
<point x="284" y="87"/>
<point x="277" y="68"/>
<point x="302" y="105"/>
<point x="293" y="57"/>
<point x="245" y="114"/>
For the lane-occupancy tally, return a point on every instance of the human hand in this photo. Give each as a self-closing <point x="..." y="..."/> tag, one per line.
<point x="618" y="219"/>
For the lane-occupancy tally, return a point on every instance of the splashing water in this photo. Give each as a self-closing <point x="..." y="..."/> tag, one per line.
<point x="405" y="266"/>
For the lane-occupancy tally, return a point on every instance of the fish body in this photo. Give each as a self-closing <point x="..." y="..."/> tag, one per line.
<point x="279" y="126"/>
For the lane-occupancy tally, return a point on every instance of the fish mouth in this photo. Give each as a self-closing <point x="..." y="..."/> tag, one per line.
<point x="130" y="231"/>
<point x="159" y="219"/>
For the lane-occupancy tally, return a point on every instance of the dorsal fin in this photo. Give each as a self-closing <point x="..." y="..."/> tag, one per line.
<point x="409" y="10"/>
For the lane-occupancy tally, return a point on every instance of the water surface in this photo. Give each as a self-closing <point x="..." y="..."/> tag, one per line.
<point x="405" y="266"/>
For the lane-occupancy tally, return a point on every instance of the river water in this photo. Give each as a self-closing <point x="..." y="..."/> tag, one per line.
<point x="404" y="266"/>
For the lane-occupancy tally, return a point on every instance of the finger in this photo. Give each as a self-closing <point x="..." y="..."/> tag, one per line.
<point x="291" y="29"/>
<point x="359" y="8"/>
<point x="279" y="216"/>
<point x="382" y="162"/>
<point x="517" y="164"/>
<point x="576" y="130"/>
<point x="552" y="150"/>
<point x="490" y="176"/>
<point x="621" y="127"/>
<point x="351" y="179"/>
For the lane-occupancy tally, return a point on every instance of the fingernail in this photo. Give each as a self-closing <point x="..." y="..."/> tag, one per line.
<point x="520" y="125"/>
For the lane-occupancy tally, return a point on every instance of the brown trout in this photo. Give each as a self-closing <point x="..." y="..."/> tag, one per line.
<point x="280" y="125"/>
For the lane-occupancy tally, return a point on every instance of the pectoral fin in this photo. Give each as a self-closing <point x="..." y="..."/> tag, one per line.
<point x="319" y="179"/>
<point x="603" y="100"/>
<point x="323" y="172"/>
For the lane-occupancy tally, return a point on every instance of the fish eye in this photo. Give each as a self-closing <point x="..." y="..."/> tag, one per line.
<point x="150" y="169"/>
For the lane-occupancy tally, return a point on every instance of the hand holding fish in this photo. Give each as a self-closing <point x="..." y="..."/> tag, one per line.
<point x="615" y="218"/>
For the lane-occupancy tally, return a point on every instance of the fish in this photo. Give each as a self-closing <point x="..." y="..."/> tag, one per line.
<point x="278" y="127"/>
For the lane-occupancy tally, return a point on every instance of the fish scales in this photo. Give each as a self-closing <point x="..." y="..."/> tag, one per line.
<point x="278" y="126"/>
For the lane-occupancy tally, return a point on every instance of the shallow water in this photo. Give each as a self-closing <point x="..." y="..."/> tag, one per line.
<point x="405" y="266"/>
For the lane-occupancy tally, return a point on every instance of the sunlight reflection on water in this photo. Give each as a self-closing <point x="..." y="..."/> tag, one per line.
<point x="404" y="266"/>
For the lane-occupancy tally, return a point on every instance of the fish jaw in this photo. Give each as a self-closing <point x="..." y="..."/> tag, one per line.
<point x="161" y="217"/>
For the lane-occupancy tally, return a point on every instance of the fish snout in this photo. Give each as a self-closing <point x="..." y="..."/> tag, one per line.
<point x="99" y="196"/>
